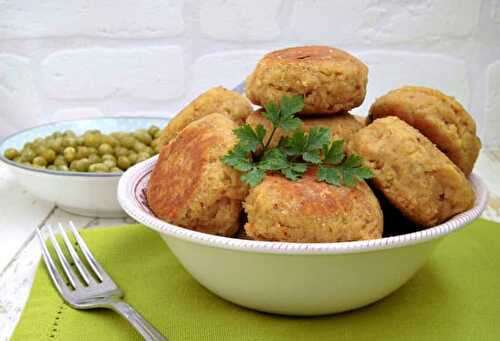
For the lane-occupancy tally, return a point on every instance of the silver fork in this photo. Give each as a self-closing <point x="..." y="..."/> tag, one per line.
<point x="92" y="293"/>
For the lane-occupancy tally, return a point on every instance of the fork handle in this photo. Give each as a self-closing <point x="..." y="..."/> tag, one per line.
<point x="146" y="329"/>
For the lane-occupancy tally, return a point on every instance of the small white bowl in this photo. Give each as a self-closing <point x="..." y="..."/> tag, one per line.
<point x="294" y="278"/>
<point x="89" y="194"/>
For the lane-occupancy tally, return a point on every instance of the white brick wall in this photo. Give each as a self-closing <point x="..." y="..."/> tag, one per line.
<point x="390" y="70"/>
<point x="96" y="18"/>
<point x="18" y="100"/>
<point x="63" y="59"/>
<point x="371" y="22"/>
<point x="493" y="104"/>
<point x="99" y="73"/>
<point x="227" y="68"/>
<point x="496" y="11"/>
<point x="240" y="20"/>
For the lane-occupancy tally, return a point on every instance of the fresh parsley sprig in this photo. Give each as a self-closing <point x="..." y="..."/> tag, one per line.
<point x="294" y="154"/>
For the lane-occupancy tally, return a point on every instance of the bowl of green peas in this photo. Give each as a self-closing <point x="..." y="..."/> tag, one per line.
<point x="77" y="164"/>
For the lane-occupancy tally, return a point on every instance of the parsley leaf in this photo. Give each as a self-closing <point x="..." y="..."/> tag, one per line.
<point x="317" y="137"/>
<point x="273" y="160"/>
<point x="272" y="113"/>
<point x="290" y="124"/>
<point x="238" y="158"/>
<point x="295" y="153"/>
<point x="329" y="175"/>
<point x="291" y="105"/>
<point x="294" y="145"/>
<point x="334" y="154"/>
<point x="352" y="171"/>
<point x="294" y="171"/>
<point x="250" y="139"/>
<point x="254" y="177"/>
<point x="312" y="157"/>
<point x="347" y="173"/>
<point x="307" y="145"/>
<point x="283" y="116"/>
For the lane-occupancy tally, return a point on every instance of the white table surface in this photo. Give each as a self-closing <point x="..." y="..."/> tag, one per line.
<point x="21" y="213"/>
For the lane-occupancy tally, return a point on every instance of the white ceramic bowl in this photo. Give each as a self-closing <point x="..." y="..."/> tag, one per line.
<point x="89" y="194"/>
<point x="294" y="278"/>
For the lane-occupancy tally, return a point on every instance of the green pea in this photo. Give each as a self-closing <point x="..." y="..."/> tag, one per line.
<point x="72" y="165"/>
<point x="105" y="149"/>
<point x="57" y="134"/>
<point x="79" y="141"/>
<point x="92" y="140"/>
<point x="82" y="152"/>
<point x="28" y="145"/>
<point x="118" y="135"/>
<point x="83" y="165"/>
<point x="142" y="156"/>
<point x="108" y="157"/>
<point x="128" y="141"/>
<point x="39" y="161"/>
<point x="157" y="134"/>
<point x="132" y="156"/>
<point x="123" y="162"/>
<point x="59" y="161"/>
<point x="139" y="146"/>
<point x="143" y="136"/>
<point x="94" y="158"/>
<point x="98" y="168"/>
<point x="149" y="150"/>
<point x="110" y="163"/>
<point x="39" y="149"/>
<point x="152" y="130"/>
<point x="52" y="167"/>
<point x="69" y="133"/>
<point x="49" y="155"/>
<point x="38" y="141"/>
<point x="63" y="168"/>
<point x="115" y="170"/>
<point x="110" y="140"/>
<point x="69" y="141"/>
<point x="55" y="144"/>
<point x="120" y="151"/>
<point x="154" y="143"/>
<point x="27" y="154"/>
<point x="156" y="149"/>
<point x="70" y="153"/>
<point x="11" y="153"/>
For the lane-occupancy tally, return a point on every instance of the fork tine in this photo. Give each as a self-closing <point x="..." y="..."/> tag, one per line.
<point x="51" y="267"/>
<point x="64" y="262"/>
<point x="87" y="277"/>
<point x="98" y="269"/>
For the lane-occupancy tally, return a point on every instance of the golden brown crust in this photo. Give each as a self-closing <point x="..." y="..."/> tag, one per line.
<point x="331" y="80"/>
<point x="411" y="172"/>
<point x="215" y="100"/>
<point x="343" y="125"/>
<point x="437" y="116"/>
<point x="190" y="186"/>
<point x="309" y="211"/>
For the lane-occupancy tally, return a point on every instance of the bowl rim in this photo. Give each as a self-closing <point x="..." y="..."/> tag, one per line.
<point x="70" y="174"/>
<point x="128" y="185"/>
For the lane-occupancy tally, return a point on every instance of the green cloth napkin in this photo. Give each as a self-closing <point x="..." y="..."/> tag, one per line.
<point x="455" y="296"/>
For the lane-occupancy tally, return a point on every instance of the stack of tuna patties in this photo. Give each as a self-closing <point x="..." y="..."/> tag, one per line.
<point x="332" y="82"/>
